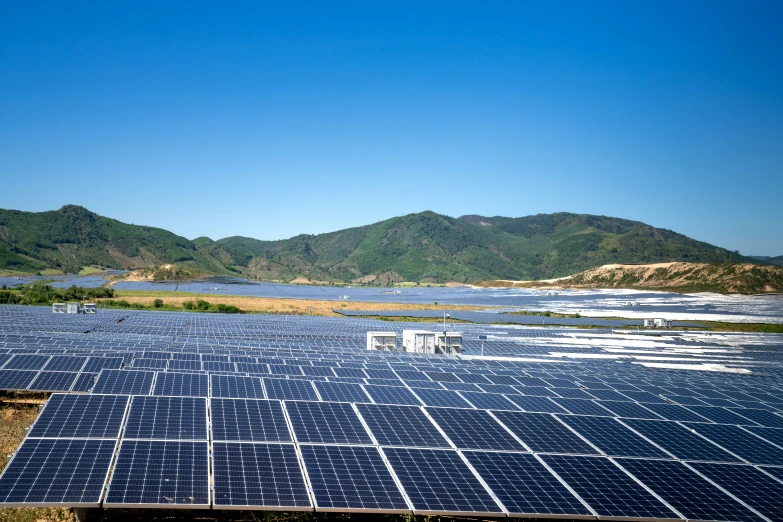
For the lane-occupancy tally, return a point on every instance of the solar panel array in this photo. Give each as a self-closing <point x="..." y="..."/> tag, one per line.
<point x="192" y="411"/>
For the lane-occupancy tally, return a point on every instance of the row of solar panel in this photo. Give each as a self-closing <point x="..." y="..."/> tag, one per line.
<point x="259" y="420"/>
<point x="269" y="475"/>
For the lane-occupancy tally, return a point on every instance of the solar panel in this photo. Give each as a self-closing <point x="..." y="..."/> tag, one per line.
<point x="443" y="398"/>
<point x="53" y="382"/>
<point x="399" y="425"/>
<point x="27" y="362"/>
<point x="236" y="387"/>
<point x="721" y="415"/>
<point x="49" y="472"/>
<point x="525" y="486"/>
<point x="122" y="382"/>
<point x="753" y="487"/>
<point x="583" y="407"/>
<point x="16" y="379"/>
<point x="741" y="443"/>
<point x="612" y="438"/>
<point x="542" y="432"/>
<point x="607" y="489"/>
<point x="489" y="401"/>
<point x="289" y="390"/>
<point x="96" y="364"/>
<point x="675" y="412"/>
<point x="248" y="420"/>
<point x="84" y="382"/>
<point x="629" y="410"/>
<point x="773" y="435"/>
<point x="181" y="384"/>
<point x="326" y="422"/>
<point x="762" y="417"/>
<point x="679" y="441"/>
<point x="169" y="418"/>
<point x="351" y="478"/>
<point x="341" y="392"/>
<point x="81" y="416"/>
<point x="536" y="404"/>
<point x="153" y="473"/>
<point x="474" y="429"/>
<point x="65" y="363"/>
<point x="686" y="491"/>
<point x="258" y="476"/>
<point x="439" y="482"/>
<point x="391" y="395"/>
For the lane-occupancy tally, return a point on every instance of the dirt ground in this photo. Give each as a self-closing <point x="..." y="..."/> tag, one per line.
<point x="280" y="305"/>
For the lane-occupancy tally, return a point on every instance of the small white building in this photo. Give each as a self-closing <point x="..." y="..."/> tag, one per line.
<point x="72" y="308"/>
<point x="58" y="308"/>
<point x="449" y="343"/>
<point x="421" y="341"/>
<point x="657" y="323"/>
<point x="386" y="341"/>
<point x="89" y="308"/>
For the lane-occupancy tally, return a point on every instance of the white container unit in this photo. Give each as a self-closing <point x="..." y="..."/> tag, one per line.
<point x="58" y="308"/>
<point x="382" y="341"/>
<point x="72" y="308"/>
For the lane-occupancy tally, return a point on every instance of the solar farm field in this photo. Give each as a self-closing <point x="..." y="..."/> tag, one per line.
<point x="215" y="414"/>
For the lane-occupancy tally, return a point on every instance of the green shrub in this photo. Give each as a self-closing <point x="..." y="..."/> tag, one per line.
<point x="158" y="303"/>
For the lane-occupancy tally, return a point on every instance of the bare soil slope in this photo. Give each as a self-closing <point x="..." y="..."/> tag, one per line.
<point x="678" y="277"/>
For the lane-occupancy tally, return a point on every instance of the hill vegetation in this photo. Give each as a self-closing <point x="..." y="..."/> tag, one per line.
<point x="424" y="247"/>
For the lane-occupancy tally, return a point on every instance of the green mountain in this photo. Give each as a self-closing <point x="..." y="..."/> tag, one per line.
<point x="777" y="260"/>
<point x="425" y="247"/>
<point x="73" y="237"/>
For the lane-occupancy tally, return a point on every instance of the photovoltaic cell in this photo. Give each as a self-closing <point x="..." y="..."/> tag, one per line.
<point x="326" y="422"/>
<point x="84" y="382"/>
<point x="536" y="404"/>
<point x="741" y="443"/>
<point x="524" y="485"/>
<point x="611" y="437"/>
<point x="16" y="379"/>
<point x="439" y="482"/>
<point x="65" y="363"/>
<point x="160" y="474"/>
<point x="629" y="410"/>
<point x="773" y="435"/>
<point x="341" y="392"/>
<point x="236" y="387"/>
<point x="606" y="488"/>
<point x="289" y="389"/>
<point x="679" y="441"/>
<point x="53" y="382"/>
<point x="248" y="420"/>
<point x="474" y="429"/>
<point x="351" y="478"/>
<point x="443" y="398"/>
<point x="258" y="476"/>
<point x="170" y="418"/>
<point x="675" y="412"/>
<point x="391" y="395"/>
<point x="542" y="432"/>
<point x="399" y="425"/>
<point x="762" y="417"/>
<point x="686" y="491"/>
<point x="181" y="384"/>
<point x="758" y="490"/>
<point x="81" y="416"/>
<point x="124" y="382"/>
<point x="583" y="407"/>
<point x="57" y="472"/>
<point x="489" y="401"/>
<point x="721" y="415"/>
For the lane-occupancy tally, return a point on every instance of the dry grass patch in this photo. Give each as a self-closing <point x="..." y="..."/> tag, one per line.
<point x="271" y="305"/>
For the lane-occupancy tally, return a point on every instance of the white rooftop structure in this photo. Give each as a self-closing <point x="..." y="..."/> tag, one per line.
<point x="381" y="341"/>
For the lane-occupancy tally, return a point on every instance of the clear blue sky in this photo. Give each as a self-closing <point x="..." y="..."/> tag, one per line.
<point x="227" y="118"/>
